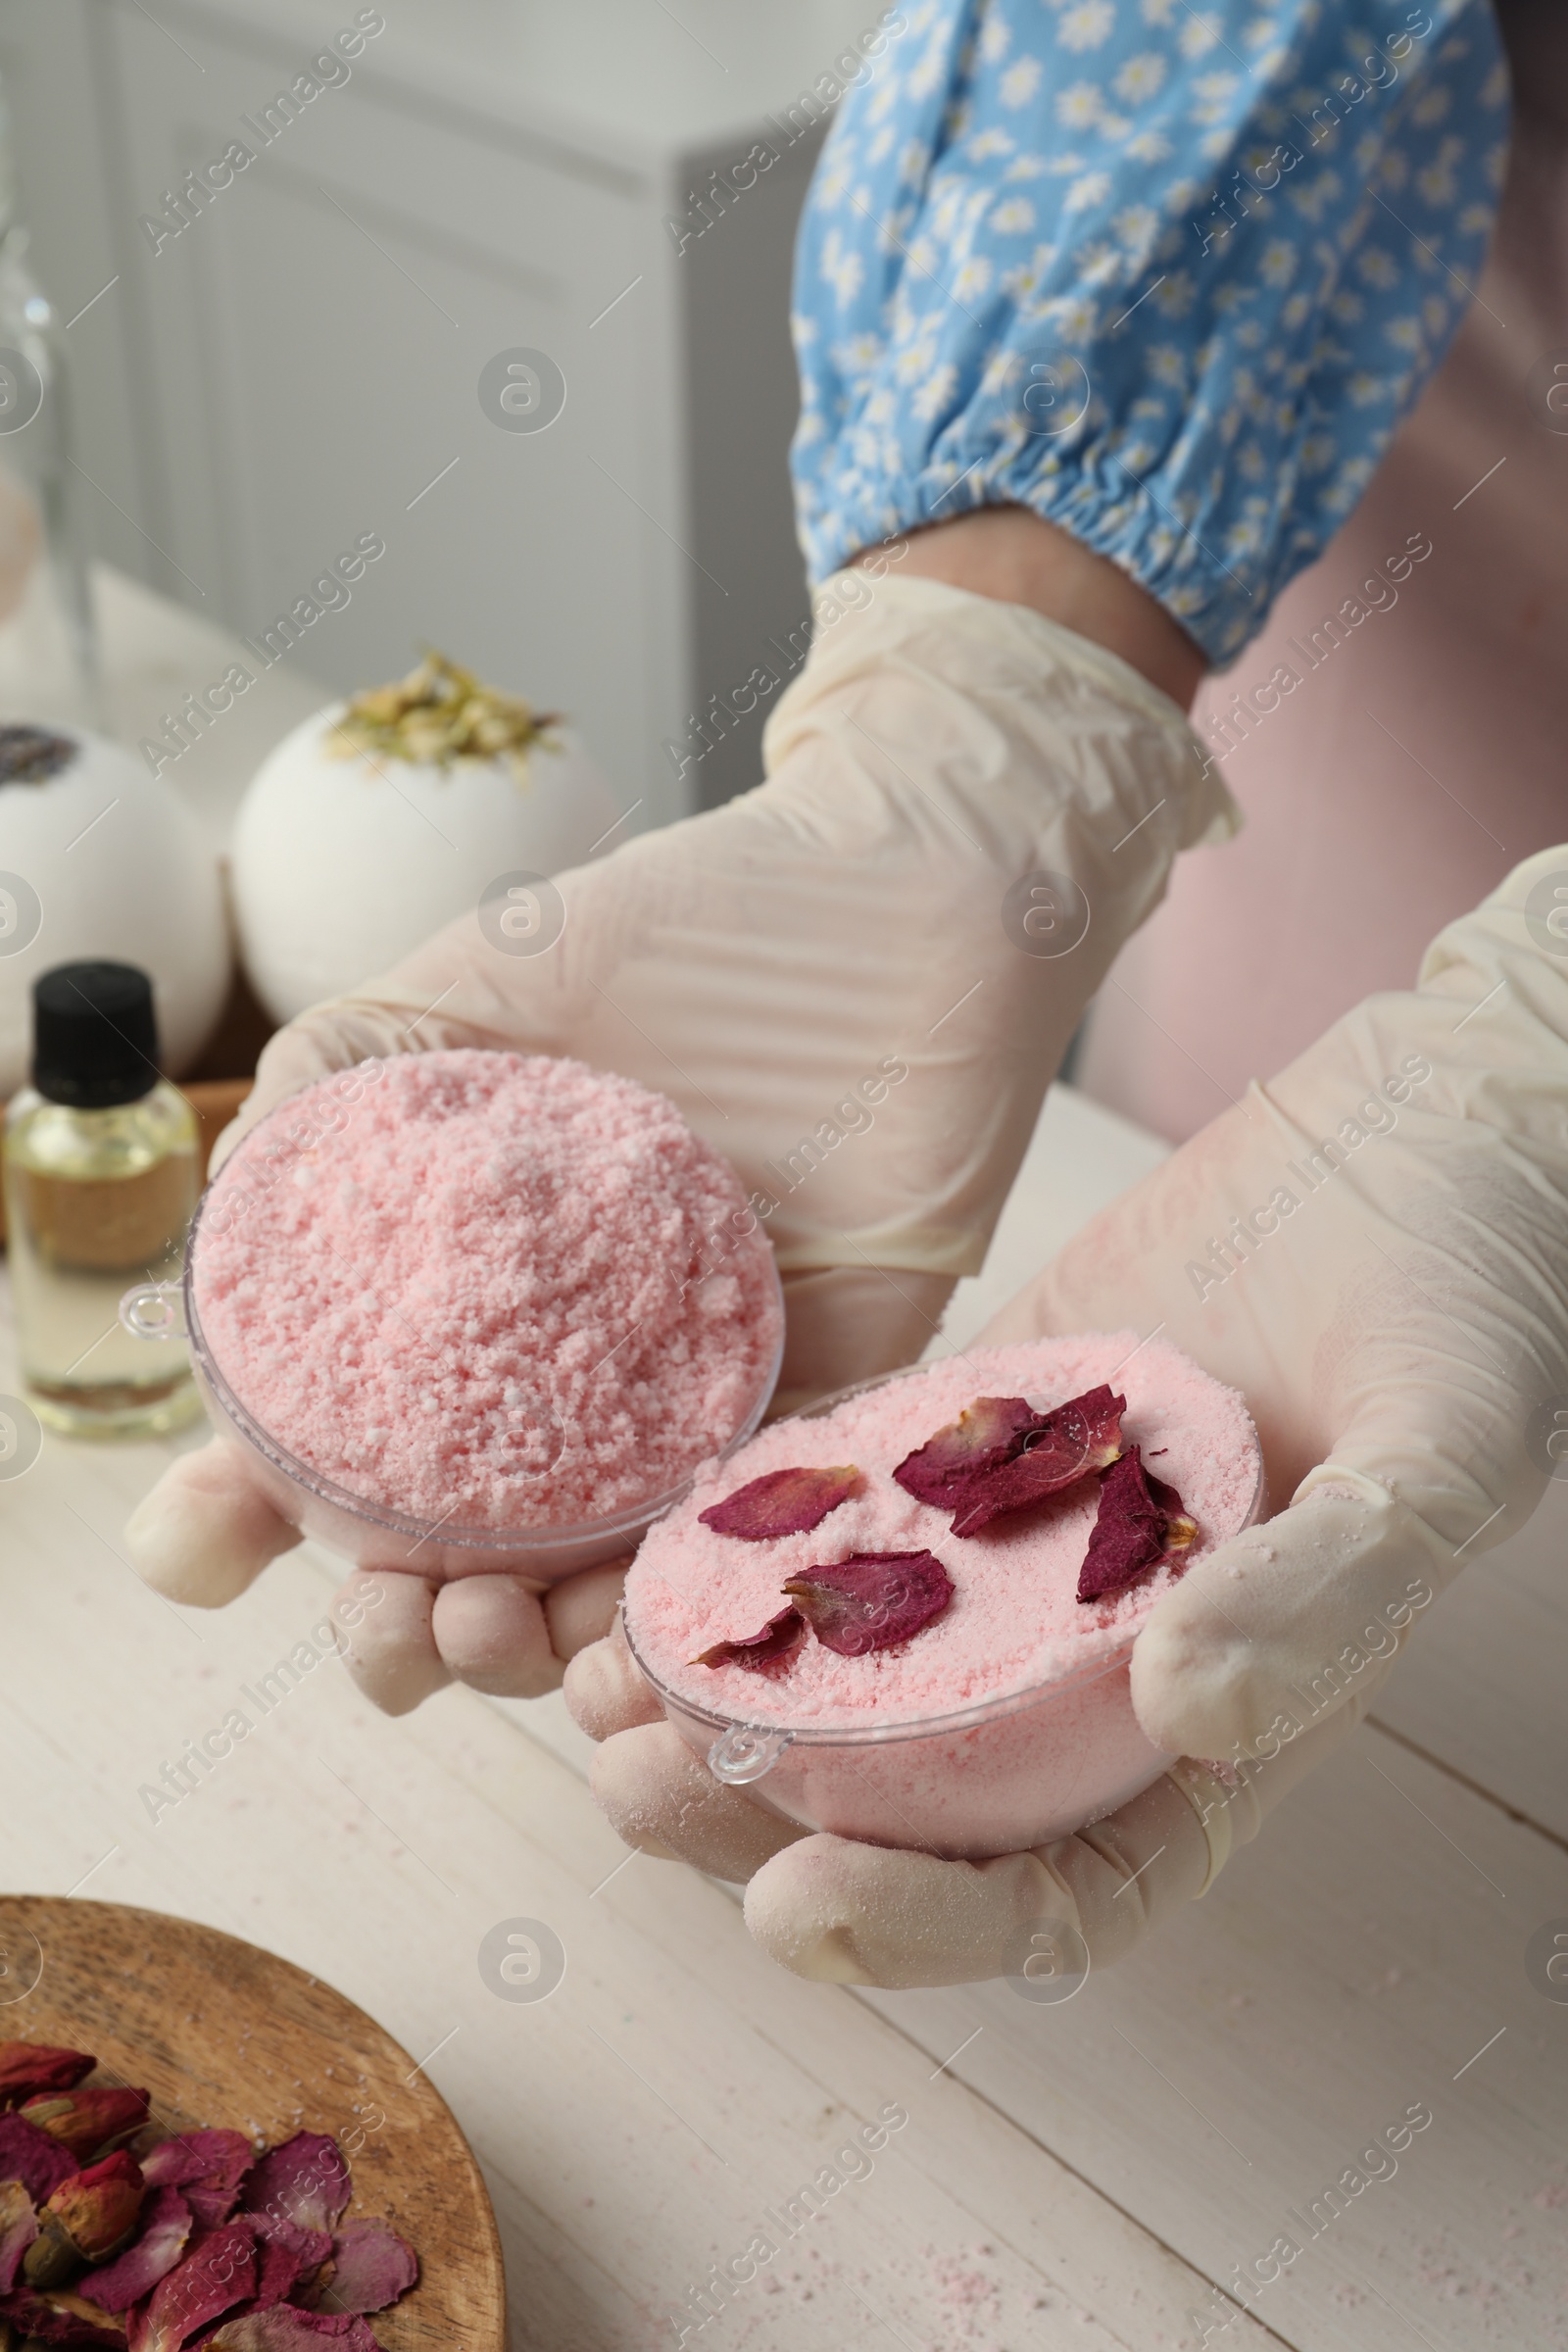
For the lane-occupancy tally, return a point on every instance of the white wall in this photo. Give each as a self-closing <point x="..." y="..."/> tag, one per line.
<point x="302" y="361"/>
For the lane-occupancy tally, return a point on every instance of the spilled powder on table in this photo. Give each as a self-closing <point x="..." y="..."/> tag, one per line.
<point x="968" y="2299"/>
<point x="1506" y="2304"/>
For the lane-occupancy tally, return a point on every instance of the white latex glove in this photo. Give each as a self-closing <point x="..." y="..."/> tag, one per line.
<point x="829" y="979"/>
<point x="1396" y="1313"/>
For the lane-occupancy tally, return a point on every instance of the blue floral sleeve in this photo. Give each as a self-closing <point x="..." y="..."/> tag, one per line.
<point x="1169" y="274"/>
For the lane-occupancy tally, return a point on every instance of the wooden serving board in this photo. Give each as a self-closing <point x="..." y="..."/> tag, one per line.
<point x="222" y="2033"/>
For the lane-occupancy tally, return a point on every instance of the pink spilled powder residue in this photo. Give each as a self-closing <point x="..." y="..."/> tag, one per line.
<point x="973" y="2300"/>
<point x="489" y="1291"/>
<point x="967" y="2286"/>
<point x="1069" y="1747"/>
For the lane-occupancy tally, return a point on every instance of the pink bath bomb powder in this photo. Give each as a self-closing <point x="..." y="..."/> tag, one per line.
<point x="489" y="1291"/>
<point x="1014" y="1624"/>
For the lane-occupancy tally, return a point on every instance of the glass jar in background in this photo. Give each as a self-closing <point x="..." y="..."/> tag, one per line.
<point x="48" y="647"/>
<point x="101" y="1180"/>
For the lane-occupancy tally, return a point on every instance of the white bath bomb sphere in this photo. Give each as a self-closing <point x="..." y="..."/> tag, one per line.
<point x="340" y="866"/>
<point x="100" y="859"/>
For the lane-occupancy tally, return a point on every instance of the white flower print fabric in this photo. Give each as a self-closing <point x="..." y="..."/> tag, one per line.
<point x="1169" y="274"/>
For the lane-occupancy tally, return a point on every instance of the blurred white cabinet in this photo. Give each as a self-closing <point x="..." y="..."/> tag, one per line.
<point x="299" y="365"/>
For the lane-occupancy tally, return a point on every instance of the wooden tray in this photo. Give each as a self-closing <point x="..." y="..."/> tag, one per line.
<point x="222" y="2032"/>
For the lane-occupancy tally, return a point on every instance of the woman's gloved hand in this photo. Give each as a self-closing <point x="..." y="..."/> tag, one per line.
<point x="856" y="981"/>
<point x="1374" y="1249"/>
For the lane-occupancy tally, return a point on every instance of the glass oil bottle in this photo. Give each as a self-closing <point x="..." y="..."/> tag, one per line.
<point x="101" y="1180"/>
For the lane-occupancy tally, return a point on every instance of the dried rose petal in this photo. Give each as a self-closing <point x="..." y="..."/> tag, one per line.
<point x="1073" y="1439"/>
<point x="309" y="2248"/>
<point x="219" y="2272"/>
<point x="207" y="2166"/>
<point x="872" y="1599"/>
<point x="770" y="1651"/>
<point x="279" y="2270"/>
<point x="1181" y="1528"/>
<point x="304" y="2181"/>
<point x="61" y="2319"/>
<point x="781" y="1503"/>
<point x="33" y="2158"/>
<point x="165" y="2226"/>
<point x="285" y="2255"/>
<point x="70" y="2304"/>
<point x="987" y="1433"/>
<point x="88" y="2121"/>
<point x="28" y="2066"/>
<point x="18" y="2226"/>
<point x="1133" y="1527"/>
<point x="282" y="2328"/>
<point x="371" y="2265"/>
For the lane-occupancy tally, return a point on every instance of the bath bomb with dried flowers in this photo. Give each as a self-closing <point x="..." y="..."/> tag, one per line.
<point x="380" y="818"/>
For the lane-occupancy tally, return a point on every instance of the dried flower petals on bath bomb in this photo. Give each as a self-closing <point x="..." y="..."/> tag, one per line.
<point x="872" y="1600"/>
<point x="1073" y="1440"/>
<point x="499" y="1290"/>
<point x="439" y="714"/>
<point x="1131" y="1527"/>
<point x="1181" y="1528"/>
<point x="768" y="1653"/>
<point x="988" y="1431"/>
<point x="782" y="1502"/>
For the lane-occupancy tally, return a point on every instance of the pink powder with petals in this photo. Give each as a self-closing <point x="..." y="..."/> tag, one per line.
<point x="1014" y="1626"/>
<point x="488" y="1288"/>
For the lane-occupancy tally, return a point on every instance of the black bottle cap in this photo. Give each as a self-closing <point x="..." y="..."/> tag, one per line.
<point x="94" y="1035"/>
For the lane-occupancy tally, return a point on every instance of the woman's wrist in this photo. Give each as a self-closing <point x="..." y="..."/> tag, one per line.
<point x="1020" y="559"/>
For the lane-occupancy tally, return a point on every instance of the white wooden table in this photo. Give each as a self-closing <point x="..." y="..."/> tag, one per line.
<point x="1079" y="2175"/>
